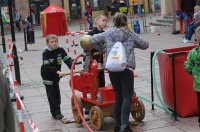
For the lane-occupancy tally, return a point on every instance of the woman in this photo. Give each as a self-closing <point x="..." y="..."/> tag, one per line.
<point x="123" y="87"/>
<point x="28" y="21"/>
<point x="89" y="14"/>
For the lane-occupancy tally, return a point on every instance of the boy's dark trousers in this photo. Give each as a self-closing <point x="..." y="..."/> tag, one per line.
<point x="53" y="95"/>
<point x="101" y="78"/>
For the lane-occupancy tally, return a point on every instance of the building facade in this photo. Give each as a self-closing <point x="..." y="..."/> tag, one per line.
<point x="34" y="7"/>
<point x="74" y="8"/>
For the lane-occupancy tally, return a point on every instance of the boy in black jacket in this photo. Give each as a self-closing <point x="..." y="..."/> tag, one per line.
<point x="51" y="72"/>
<point x="100" y="21"/>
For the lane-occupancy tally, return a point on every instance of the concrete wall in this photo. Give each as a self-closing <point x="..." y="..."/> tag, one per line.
<point x="66" y="7"/>
<point x="166" y="7"/>
<point x="22" y="6"/>
<point x="56" y="2"/>
<point x="95" y="13"/>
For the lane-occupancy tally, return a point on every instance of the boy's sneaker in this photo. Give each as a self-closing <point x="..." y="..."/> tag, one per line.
<point x="58" y="117"/>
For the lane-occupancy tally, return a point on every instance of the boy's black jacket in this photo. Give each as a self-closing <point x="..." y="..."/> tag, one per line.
<point x="92" y="51"/>
<point x="52" y="61"/>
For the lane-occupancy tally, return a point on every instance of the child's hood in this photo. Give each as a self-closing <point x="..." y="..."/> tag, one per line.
<point x="119" y="34"/>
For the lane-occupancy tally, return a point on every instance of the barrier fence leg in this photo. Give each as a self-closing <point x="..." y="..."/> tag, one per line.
<point x="19" y="109"/>
<point x="16" y="64"/>
<point x="26" y="49"/>
<point x="67" y="41"/>
<point x="21" y="124"/>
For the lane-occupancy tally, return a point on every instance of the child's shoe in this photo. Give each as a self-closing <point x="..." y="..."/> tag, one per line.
<point x="58" y="117"/>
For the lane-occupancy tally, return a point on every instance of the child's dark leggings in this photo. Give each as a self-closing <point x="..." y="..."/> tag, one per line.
<point x="122" y="83"/>
<point x="198" y="96"/>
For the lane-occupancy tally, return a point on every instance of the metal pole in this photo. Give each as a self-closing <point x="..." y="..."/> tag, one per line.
<point x="173" y="55"/>
<point x="26" y="49"/>
<point x="174" y="3"/>
<point x="15" y="57"/>
<point x="174" y="86"/>
<point x="152" y="91"/>
<point x="2" y="33"/>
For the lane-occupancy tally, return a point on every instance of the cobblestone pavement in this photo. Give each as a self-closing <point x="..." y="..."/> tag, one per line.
<point x="35" y="99"/>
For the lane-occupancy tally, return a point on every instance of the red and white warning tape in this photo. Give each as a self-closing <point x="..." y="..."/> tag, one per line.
<point x="33" y="126"/>
<point x="21" y="106"/>
<point x="72" y="36"/>
<point x="19" y="103"/>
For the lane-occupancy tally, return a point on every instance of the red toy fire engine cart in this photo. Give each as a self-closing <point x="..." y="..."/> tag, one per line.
<point x="86" y="82"/>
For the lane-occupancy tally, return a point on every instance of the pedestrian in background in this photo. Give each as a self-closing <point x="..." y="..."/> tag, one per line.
<point x="17" y="20"/>
<point x="51" y="72"/>
<point x="89" y="14"/>
<point x="28" y="21"/>
<point x="193" y="25"/>
<point x="123" y="7"/>
<point x="7" y="120"/>
<point x="123" y="87"/>
<point x="114" y="7"/>
<point x="192" y="66"/>
<point x="187" y="7"/>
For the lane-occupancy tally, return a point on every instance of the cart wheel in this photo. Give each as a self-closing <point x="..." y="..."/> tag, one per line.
<point x="74" y="109"/>
<point x="96" y="118"/>
<point x="138" y="112"/>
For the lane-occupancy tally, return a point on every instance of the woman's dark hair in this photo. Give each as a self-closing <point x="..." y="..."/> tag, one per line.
<point x="120" y="20"/>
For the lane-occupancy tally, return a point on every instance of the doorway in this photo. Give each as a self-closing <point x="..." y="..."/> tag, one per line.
<point x="157" y="5"/>
<point x="36" y="7"/>
<point x="75" y="9"/>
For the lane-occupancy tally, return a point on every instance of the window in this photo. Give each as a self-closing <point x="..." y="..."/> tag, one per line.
<point x="98" y="4"/>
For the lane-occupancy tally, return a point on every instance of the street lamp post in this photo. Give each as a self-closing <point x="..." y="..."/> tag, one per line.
<point x="15" y="57"/>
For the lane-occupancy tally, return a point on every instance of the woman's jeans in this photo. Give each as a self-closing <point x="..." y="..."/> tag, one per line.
<point x="189" y="31"/>
<point x="122" y="83"/>
<point x="185" y="17"/>
<point x="89" y="19"/>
